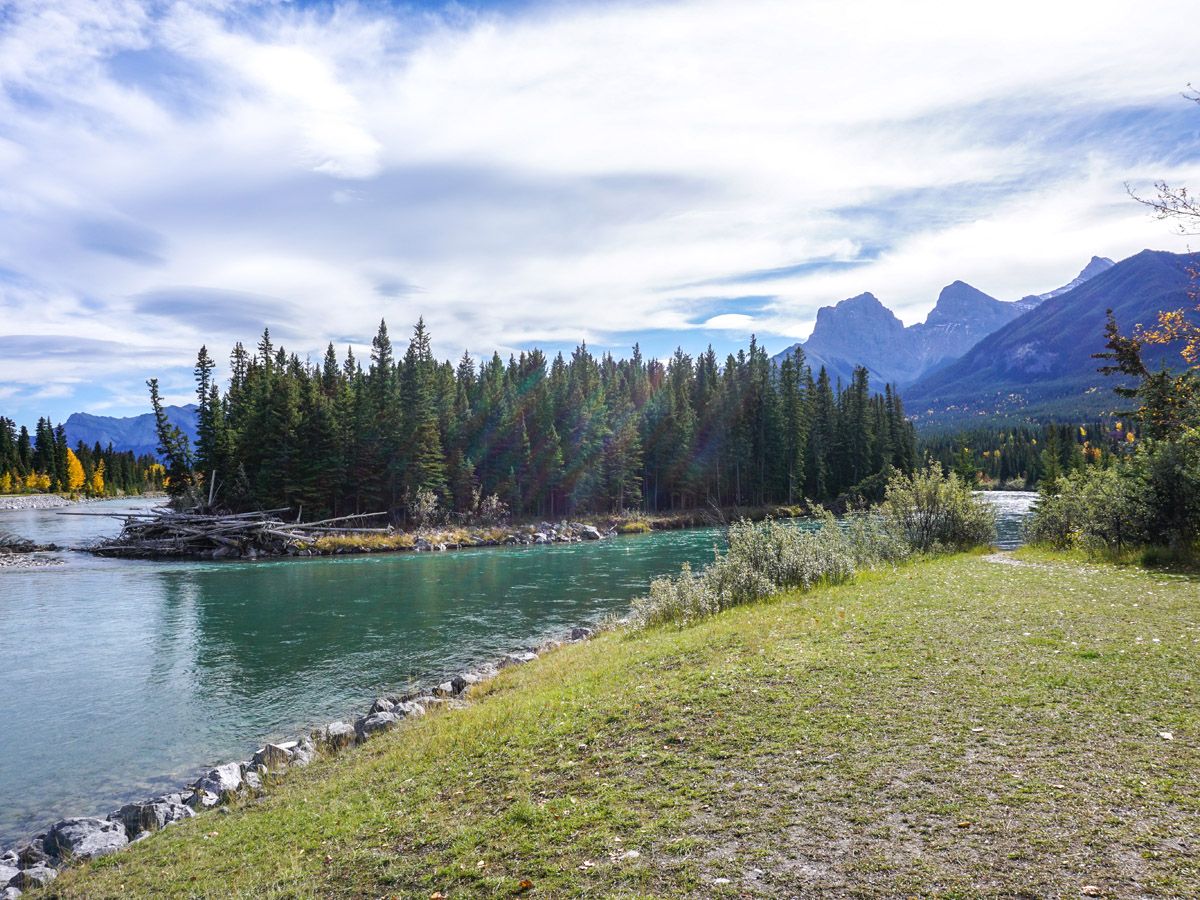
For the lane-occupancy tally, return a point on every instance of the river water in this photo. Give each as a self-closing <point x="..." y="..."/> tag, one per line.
<point x="120" y="679"/>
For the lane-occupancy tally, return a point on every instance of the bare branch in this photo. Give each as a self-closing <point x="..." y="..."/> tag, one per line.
<point x="1172" y="203"/>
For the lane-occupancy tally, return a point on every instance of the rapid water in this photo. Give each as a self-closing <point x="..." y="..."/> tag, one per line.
<point x="1012" y="509"/>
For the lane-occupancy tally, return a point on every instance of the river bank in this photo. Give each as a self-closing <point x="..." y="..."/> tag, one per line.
<point x="34" y="501"/>
<point x="37" y="862"/>
<point x="163" y="533"/>
<point x="954" y="727"/>
<point x="213" y="658"/>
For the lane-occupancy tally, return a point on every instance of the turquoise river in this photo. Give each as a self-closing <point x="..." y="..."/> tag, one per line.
<point x="122" y="679"/>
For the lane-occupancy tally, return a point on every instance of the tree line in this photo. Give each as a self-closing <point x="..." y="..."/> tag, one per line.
<point x="531" y="436"/>
<point x="1022" y="457"/>
<point x="44" y="462"/>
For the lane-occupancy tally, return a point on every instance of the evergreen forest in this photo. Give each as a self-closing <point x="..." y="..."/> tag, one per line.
<point x="532" y="436"/>
<point x="1021" y="457"/>
<point x="44" y="462"/>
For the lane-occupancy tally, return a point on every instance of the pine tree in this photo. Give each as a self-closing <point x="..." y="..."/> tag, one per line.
<point x="173" y="446"/>
<point x="425" y="468"/>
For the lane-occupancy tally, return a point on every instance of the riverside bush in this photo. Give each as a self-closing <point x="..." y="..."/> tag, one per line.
<point x="1091" y="509"/>
<point x="935" y="512"/>
<point x="765" y="558"/>
<point x="1151" y="498"/>
<point x="925" y="512"/>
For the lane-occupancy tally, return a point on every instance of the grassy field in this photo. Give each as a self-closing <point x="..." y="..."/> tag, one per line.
<point x="958" y="728"/>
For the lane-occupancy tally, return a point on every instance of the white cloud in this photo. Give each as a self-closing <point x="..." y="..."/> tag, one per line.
<point x="564" y="172"/>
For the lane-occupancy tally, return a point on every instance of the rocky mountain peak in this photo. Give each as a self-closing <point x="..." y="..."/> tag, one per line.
<point x="959" y="302"/>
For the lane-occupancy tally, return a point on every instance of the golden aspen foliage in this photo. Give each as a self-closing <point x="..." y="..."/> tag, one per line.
<point x="96" y="485"/>
<point x="6" y="483"/>
<point x="75" y="475"/>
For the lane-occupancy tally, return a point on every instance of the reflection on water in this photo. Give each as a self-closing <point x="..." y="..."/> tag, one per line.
<point x="120" y="678"/>
<point x="115" y="670"/>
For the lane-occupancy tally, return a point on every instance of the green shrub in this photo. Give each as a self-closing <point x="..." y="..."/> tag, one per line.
<point x="639" y="526"/>
<point x="927" y="511"/>
<point x="1151" y="498"/>
<point x="1092" y="509"/>
<point x="935" y="512"/>
<point x="765" y="558"/>
<point x="1171" y="472"/>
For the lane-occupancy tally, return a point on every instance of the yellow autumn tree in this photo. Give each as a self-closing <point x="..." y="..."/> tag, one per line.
<point x="96" y="485"/>
<point x="75" y="476"/>
<point x="6" y="483"/>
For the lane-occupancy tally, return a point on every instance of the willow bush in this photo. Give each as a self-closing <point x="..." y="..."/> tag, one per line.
<point x="924" y="512"/>
<point x="935" y="512"/>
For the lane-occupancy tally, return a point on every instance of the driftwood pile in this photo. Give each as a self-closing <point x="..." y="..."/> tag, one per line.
<point x="11" y="543"/>
<point x="194" y="534"/>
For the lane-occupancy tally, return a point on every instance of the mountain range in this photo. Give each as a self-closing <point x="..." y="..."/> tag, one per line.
<point x="136" y="433"/>
<point x="861" y="331"/>
<point x="973" y="357"/>
<point x="1040" y="365"/>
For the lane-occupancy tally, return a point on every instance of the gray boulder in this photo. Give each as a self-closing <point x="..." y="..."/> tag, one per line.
<point x="411" y="708"/>
<point x="579" y="633"/>
<point x="10" y="893"/>
<point x="222" y="781"/>
<point x="151" y="815"/>
<point x="590" y="533"/>
<point x="381" y="704"/>
<point x="447" y="703"/>
<point x="337" y="735"/>
<point x="34" y="877"/>
<point x="516" y="659"/>
<point x="32" y="854"/>
<point x="374" y="723"/>
<point x="253" y="782"/>
<point x="201" y="800"/>
<point x="7" y="873"/>
<point x="303" y="753"/>
<point x="85" y="838"/>
<point x="455" y="685"/>
<point x="273" y="757"/>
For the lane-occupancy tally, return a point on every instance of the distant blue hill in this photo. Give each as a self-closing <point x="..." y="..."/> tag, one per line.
<point x="135" y="433"/>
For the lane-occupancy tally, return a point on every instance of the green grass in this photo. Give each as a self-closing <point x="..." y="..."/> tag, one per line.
<point x="957" y="728"/>
<point x="637" y="526"/>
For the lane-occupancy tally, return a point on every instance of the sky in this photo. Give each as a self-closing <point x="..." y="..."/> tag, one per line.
<point x="543" y="173"/>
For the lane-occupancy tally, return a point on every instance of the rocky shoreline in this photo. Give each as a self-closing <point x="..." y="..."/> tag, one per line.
<point x="20" y="553"/>
<point x="28" y="560"/>
<point x="37" y="862"/>
<point x="34" y="501"/>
